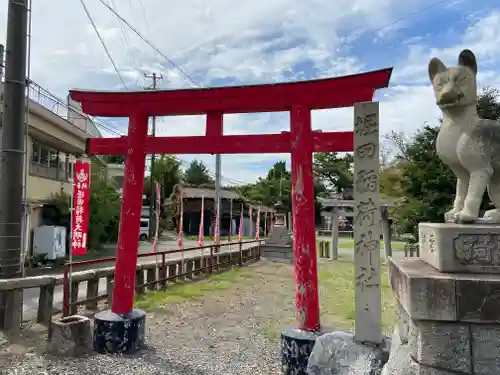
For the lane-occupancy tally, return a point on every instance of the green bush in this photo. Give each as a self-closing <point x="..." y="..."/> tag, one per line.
<point x="104" y="219"/>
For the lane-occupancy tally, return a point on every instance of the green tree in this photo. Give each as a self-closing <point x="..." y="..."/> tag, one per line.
<point x="488" y="104"/>
<point x="104" y="219"/>
<point x="277" y="187"/>
<point x="197" y="174"/>
<point x="334" y="171"/>
<point x="391" y="181"/>
<point x="167" y="172"/>
<point x="428" y="184"/>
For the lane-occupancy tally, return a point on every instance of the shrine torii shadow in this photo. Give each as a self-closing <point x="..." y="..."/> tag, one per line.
<point x="299" y="98"/>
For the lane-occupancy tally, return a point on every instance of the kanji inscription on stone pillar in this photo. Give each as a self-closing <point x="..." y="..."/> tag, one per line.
<point x="367" y="225"/>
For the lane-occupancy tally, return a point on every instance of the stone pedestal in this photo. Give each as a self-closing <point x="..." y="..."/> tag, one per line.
<point x="449" y="247"/>
<point x="119" y="333"/>
<point x="70" y="336"/>
<point x="448" y="323"/>
<point x="278" y="246"/>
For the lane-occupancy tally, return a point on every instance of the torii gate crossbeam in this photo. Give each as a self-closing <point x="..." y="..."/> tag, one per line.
<point x="301" y="141"/>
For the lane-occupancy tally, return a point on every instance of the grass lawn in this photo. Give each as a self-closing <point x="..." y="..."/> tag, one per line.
<point x="185" y="292"/>
<point x="336" y="293"/>
<point x="336" y="290"/>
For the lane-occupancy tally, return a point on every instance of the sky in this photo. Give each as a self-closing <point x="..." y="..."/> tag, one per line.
<point x="224" y="42"/>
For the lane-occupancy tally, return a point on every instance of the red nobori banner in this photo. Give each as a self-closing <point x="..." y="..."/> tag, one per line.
<point x="80" y="216"/>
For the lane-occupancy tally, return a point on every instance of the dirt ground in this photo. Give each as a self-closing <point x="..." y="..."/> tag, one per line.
<point x="227" y="324"/>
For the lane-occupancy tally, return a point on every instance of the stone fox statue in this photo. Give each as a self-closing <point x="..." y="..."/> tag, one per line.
<point x="469" y="145"/>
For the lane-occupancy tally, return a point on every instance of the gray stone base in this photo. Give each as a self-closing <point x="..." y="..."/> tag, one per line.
<point x="427" y="294"/>
<point x="279" y="235"/>
<point x="338" y="353"/>
<point x="447" y="323"/>
<point x="471" y="248"/>
<point x="277" y="253"/>
<point x="115" y="333"/>
<point x="401" y="362"/>
<point x="70" y="336"/>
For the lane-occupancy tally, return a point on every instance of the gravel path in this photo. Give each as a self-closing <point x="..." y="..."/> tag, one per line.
<point x="231" y="331"/>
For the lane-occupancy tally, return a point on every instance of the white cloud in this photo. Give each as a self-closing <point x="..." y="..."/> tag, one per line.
<point x="248" y="42"/>
<point x="482" y="36"/>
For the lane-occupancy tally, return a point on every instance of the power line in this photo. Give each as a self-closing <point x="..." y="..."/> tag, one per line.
<point x="175" y="66"/>
<point x="145" y="17"/>
<point x="170" y="61"/>
<point x="102" y="42"/>
<point x="125" y="41"/>
<point x="218" y="174"/>
<point x="132" y="10"/>
<point x="421" y="10"/>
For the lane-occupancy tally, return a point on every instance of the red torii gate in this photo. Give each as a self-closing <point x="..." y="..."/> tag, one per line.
<point x="299" y="98"/>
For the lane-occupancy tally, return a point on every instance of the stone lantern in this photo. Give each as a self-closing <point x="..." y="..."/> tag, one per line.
<point x="279" y="215"/>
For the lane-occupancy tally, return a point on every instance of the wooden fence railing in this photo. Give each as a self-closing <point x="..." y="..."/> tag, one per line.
<point x="159" y="273"/>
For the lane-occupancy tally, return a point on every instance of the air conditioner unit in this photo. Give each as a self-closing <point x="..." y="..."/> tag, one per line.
<point x="50" y="241"/>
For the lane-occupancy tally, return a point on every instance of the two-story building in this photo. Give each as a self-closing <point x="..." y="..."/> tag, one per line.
<point x="57" y="133"/>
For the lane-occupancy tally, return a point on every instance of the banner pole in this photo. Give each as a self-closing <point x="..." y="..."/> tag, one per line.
<point x="201" y="231"/>
<point x="71" y="209"/>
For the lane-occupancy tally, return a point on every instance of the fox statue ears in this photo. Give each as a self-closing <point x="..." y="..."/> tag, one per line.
<point x="435" y="66"/>
<point x="466" y="58"/>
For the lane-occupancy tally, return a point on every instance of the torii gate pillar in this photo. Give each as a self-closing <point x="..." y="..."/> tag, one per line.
<point x="128" y="323"/>
<point x="304" y="241"/>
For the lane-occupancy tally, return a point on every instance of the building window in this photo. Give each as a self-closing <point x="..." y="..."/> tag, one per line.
<point x="44" y="156"/>
<point x="53" y="159"/>
<point x="49" y="163"/>
<point x="35" y="153"/>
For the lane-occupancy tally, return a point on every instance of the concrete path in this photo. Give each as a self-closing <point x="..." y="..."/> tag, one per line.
<point x="30" y="297"/>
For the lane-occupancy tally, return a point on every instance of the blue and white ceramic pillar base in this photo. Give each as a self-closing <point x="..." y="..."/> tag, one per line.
<point x="123" y="333"/>
<point x="296" y="347"/>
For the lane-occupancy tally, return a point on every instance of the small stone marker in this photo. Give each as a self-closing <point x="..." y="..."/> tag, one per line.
<point x="70" y="336"/>
<point x="367" y="226"/>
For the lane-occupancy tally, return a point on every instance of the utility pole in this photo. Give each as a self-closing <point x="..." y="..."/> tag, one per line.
<point x="12" y="152"/>
<point x="152" y="227"/>
<point x="2" y="54"/>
